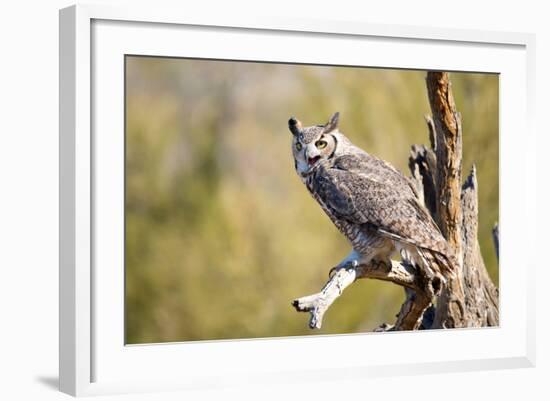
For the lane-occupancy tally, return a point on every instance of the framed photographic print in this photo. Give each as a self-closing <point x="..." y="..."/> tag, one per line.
<point x="214" y="172"/>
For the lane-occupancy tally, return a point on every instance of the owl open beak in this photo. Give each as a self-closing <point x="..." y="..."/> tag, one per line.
<point x="312" y="160"/>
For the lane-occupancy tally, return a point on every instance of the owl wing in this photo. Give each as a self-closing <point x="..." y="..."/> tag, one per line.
<point x="368" y="191"/>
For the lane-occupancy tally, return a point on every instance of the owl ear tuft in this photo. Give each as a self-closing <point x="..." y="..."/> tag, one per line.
<point x="332" y="123"/>
<point x="295" y="126"/>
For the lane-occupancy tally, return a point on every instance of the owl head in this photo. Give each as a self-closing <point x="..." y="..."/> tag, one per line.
<point x="312" y="145"/>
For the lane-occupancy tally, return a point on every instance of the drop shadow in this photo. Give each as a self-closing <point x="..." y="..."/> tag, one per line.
<point x="52" y="382"/>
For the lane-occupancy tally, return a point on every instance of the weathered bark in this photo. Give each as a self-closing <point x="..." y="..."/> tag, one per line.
<point x="481" y="296"/>
<point x="496" y="240"/>
<point x="448" y="140"/>
<point x="470" y="299"/>
<point x="422" y="163"/>
<point x="410" y="316"/>
<point x="448" y="137"/>
<point x="412" y="311"/>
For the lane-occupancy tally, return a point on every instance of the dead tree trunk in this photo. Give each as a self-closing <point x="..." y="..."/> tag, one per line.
<point x="470" y="299"/>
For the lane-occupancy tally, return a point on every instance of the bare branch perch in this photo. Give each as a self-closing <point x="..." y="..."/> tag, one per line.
<point x="402" y="274"/>
<point x="318" y="304"/>
<point x="412" y="311"/>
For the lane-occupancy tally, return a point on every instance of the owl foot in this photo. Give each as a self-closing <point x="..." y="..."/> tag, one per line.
<point x="352" y="264"/>
<point x="384" y="265"/>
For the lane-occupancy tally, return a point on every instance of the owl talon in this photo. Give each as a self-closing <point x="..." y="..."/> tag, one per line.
<point x="348" y="265"/>
<point x="383" y="265"/>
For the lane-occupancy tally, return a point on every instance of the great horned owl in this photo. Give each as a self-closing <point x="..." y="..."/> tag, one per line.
<point x="374" y="205"/>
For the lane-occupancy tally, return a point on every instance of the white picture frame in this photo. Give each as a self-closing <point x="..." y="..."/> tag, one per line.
<point x="93" y="357"/>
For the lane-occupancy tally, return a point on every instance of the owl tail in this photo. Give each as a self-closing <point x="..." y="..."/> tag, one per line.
<point x="442" y="263"/>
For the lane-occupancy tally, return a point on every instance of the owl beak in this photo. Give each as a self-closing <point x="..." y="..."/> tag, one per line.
<point x="312" y="160"/>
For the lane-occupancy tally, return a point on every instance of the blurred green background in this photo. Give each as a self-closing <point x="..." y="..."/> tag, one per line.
<point x="221" y="234"/>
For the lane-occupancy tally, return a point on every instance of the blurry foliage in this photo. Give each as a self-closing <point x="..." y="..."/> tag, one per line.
<point x="221" y="234"/>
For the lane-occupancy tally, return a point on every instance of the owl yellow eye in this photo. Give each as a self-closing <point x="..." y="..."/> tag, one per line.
<point x="298" y="146"/>
<point x="321" y="144"/>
